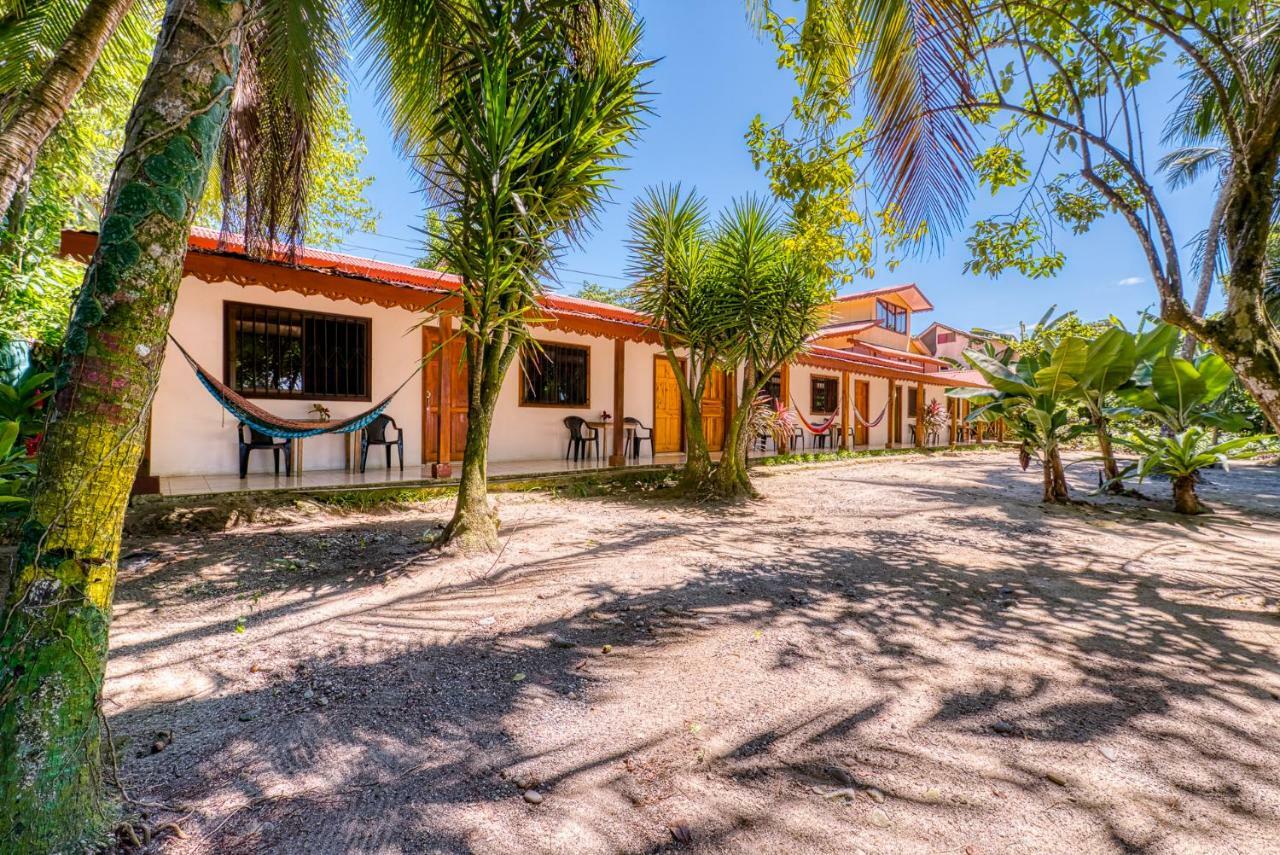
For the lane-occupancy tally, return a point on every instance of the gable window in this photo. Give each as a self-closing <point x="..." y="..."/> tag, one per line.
<point x="270" y="352"/>
<point x="554" y="375"/>
<point x="946" y="337"/>
<point x="823" y="394"/>
<point x="891" y="317"/>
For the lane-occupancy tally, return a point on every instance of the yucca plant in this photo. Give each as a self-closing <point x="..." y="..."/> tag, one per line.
<point x="770" y="299"/>
<point x="537" y="101"/>
<point x="670" y="250"/>
<point x="1182" y="456"/>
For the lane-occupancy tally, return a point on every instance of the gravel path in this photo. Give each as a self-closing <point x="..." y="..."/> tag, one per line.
<point x="897" y="655"/>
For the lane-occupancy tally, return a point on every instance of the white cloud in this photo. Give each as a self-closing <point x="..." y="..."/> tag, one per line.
<point x="1131" y="280"/>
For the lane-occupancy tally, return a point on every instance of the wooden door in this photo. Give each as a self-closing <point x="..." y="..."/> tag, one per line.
<point x="455" y="360"/>
<point x="714" y="399"/>
<point x="668" y="411"/>
<point x="862" y="400"/>
<point x="897" y="415"/>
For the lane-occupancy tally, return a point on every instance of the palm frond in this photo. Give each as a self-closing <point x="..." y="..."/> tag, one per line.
<point x="291" y="64"/>
<point x="1185" y="165"/>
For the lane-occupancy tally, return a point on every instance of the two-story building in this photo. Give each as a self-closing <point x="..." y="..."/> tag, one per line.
<point x="342" y="332"/>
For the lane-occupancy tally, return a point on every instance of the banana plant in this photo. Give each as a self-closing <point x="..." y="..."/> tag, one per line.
<point x="1182" y="456"/>
<point x="1110" y="361"/>
<point x="1033" y="396"/>
<point x="1180" y="393"/>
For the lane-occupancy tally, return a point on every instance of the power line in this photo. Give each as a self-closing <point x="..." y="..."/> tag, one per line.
<point x="415" y="256"/>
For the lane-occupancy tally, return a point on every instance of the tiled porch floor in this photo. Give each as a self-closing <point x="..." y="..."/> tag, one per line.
<point x="377" y="475"/>
<point x="190" y="485"/>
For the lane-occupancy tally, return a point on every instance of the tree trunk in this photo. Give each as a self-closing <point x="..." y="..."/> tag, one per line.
<point x="53" y="645"/>
<point x="1208" y="266"/>
<point x="696" y="474"/>
<point x="1185" y="500"/>
<point x="39" y="110"/>
<point x="1249" y="341"/>
<point x="1055" y="480"/>
<point x="1060" y="493"/>
<point x="474" y="526"/>
<point x="1110" y="469"/>
<point x="1245" y="335"/>
<point x="731" y="478"/>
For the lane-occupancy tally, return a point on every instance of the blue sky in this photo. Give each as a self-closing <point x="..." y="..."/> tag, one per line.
<point x="713" y="76"/>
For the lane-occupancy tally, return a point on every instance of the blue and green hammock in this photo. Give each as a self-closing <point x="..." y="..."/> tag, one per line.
<point x="263" y="422"/>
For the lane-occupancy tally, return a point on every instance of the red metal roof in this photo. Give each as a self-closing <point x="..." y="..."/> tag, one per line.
<point x="894" y="353"/>
<point x="844" y="328"/>
<point x="428" y="282"/>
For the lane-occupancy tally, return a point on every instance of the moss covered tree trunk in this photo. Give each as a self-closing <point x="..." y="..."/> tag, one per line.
<point x="1245" y="335"/>
<point x="53" y="645"/>
<point x="695" y="477"/>
<point x="731" y="478"/>
<point x="474" y="525"/>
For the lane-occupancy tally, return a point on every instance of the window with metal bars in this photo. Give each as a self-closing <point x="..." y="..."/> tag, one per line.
<point x="554" y="375"/>
<point x="272" y="352"/>
<point x="823" y="394"/>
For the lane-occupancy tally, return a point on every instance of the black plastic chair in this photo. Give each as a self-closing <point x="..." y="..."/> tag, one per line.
<point x="375" y="433"/>
<point x="262" y="441"/>
<point x="581" y="437"/>
<point x="634" y="426"/>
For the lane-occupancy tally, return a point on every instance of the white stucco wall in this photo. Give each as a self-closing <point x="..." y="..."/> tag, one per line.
<point x="192" y="435"/>
<point x="538" y="433"/>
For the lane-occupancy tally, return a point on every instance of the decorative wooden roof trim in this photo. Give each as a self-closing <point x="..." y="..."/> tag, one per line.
<point x="342" y="282"/>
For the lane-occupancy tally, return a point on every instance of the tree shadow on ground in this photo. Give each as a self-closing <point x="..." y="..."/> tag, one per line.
<point x="959" y="688"/>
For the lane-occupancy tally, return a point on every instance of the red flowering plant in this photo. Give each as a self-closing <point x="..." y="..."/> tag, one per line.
<point x="21" y="432"/>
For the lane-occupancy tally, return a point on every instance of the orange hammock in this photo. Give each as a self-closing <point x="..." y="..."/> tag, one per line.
<point x="826" y="426"/>
<point x="816" y="430"/>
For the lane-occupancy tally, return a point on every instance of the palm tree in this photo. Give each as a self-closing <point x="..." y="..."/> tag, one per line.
<point x="909" y="58"/>
<point x="51" y="49"/>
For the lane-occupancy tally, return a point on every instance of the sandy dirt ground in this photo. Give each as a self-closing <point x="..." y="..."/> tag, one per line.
<point x="904" y="655"/>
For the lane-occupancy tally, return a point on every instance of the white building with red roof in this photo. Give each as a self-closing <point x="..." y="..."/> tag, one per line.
<point x="314" y="327"/>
